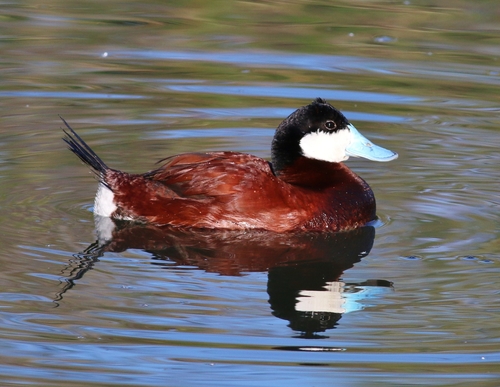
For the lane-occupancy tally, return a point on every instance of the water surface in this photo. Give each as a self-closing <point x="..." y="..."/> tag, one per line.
<point x="409" y="300"/>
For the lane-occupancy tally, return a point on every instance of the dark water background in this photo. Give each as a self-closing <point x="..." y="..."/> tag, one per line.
<point x="144" y="80"/>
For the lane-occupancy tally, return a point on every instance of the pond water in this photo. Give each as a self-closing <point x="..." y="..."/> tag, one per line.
<point x="413" y="299"/>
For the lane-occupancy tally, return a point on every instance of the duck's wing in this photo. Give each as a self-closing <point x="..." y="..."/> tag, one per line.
<point x="210" y="190"/>
<point x="212" y="174"/>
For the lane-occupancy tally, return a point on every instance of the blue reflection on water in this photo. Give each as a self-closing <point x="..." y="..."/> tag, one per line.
<point x="67" y="94"/>
<point x="297" y="92"/>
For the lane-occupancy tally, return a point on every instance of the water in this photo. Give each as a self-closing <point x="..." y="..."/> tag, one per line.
<point x="410" y="300"/>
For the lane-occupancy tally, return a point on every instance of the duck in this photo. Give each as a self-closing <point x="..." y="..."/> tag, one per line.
<point x="305" y="187"/>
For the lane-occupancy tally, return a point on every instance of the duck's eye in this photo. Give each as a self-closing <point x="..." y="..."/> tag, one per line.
<point x="330" y="125"/>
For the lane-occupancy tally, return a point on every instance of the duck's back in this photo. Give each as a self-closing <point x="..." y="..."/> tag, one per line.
<point x="206" y="190"/>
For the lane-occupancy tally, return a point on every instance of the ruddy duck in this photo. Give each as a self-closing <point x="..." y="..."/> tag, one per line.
<point x="305" y="187"/>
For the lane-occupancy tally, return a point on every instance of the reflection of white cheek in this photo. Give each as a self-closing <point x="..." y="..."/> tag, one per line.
<point x="329" y="300"/>
<point x="325" y="146"/>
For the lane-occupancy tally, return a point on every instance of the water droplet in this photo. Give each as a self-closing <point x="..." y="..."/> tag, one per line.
<point x="384" y="39"/>
<point x="412" y="258"/>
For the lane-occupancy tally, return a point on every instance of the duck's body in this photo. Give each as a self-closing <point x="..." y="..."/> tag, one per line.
<point x="228" y="190"/>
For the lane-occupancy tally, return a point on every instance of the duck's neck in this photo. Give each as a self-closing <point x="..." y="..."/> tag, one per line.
<point x="285" y="148"/>
<point x="337" y="191"/>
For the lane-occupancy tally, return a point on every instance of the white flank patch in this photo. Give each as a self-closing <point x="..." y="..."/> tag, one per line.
<point x="325" y="146"/>
<point x="104" y="204"/>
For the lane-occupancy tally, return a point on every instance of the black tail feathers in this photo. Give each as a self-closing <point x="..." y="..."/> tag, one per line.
<point x="83" y="151"/>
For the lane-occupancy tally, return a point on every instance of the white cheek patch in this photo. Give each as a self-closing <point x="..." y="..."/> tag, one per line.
<point x="325" y="146"/>
<point x="104" y="204"/>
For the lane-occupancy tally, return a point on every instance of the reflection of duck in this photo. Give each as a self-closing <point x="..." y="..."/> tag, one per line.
<point x="303" y="267"/>
<point x="306" y="187"/>
<point x="312" y="297"/>
<point x="232" y="252"/>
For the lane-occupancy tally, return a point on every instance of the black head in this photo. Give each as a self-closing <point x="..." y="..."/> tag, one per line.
<point x="317" y="117"/>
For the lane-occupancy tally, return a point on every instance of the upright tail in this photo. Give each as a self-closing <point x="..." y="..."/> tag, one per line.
<point x="84" y="152"/>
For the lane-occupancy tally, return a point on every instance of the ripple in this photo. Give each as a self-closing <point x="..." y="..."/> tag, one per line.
<point x="296" y="93"/>
<point x="326" y="63"/>
<point x="277" y="113"/>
